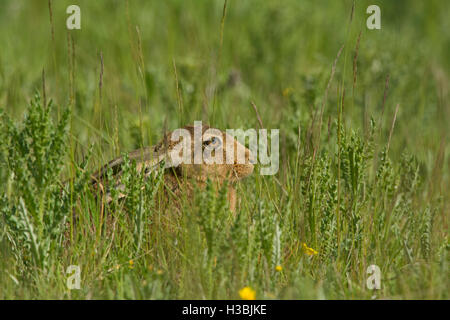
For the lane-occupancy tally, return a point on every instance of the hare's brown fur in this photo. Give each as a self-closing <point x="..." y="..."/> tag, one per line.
<point x="181" y="178"/>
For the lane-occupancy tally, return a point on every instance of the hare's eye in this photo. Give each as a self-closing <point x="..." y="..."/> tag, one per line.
<point x="216" y="141"/>
<point x="213" y="142"/>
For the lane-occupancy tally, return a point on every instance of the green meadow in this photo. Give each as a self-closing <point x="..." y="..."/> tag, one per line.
<point x="364" y="148"/>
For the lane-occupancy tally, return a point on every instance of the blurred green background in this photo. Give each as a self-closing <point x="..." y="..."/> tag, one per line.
<point x="267" y="47"/>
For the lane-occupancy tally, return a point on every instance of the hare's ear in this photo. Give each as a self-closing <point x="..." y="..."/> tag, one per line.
<point x="176" y="148"/>
<point x="161" y="156"/>
<point x="115" y="165"/>
<point x="151" y="159"/>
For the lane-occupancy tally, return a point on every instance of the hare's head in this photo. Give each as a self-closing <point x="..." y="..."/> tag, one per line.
<point x="202" y="152"/>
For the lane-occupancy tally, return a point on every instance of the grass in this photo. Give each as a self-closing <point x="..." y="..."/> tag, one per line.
<point x="364" y="168"/>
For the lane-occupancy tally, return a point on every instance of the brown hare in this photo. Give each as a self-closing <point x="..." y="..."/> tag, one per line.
<point x="191" y="156"/>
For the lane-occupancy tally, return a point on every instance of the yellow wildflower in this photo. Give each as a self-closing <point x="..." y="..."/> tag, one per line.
<point x="247" y="293"/>
<point x="278" y="268"/>
<point x="131" y="263"/>
<point x="287" y="92"/>
<point x="309" y="251"/>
